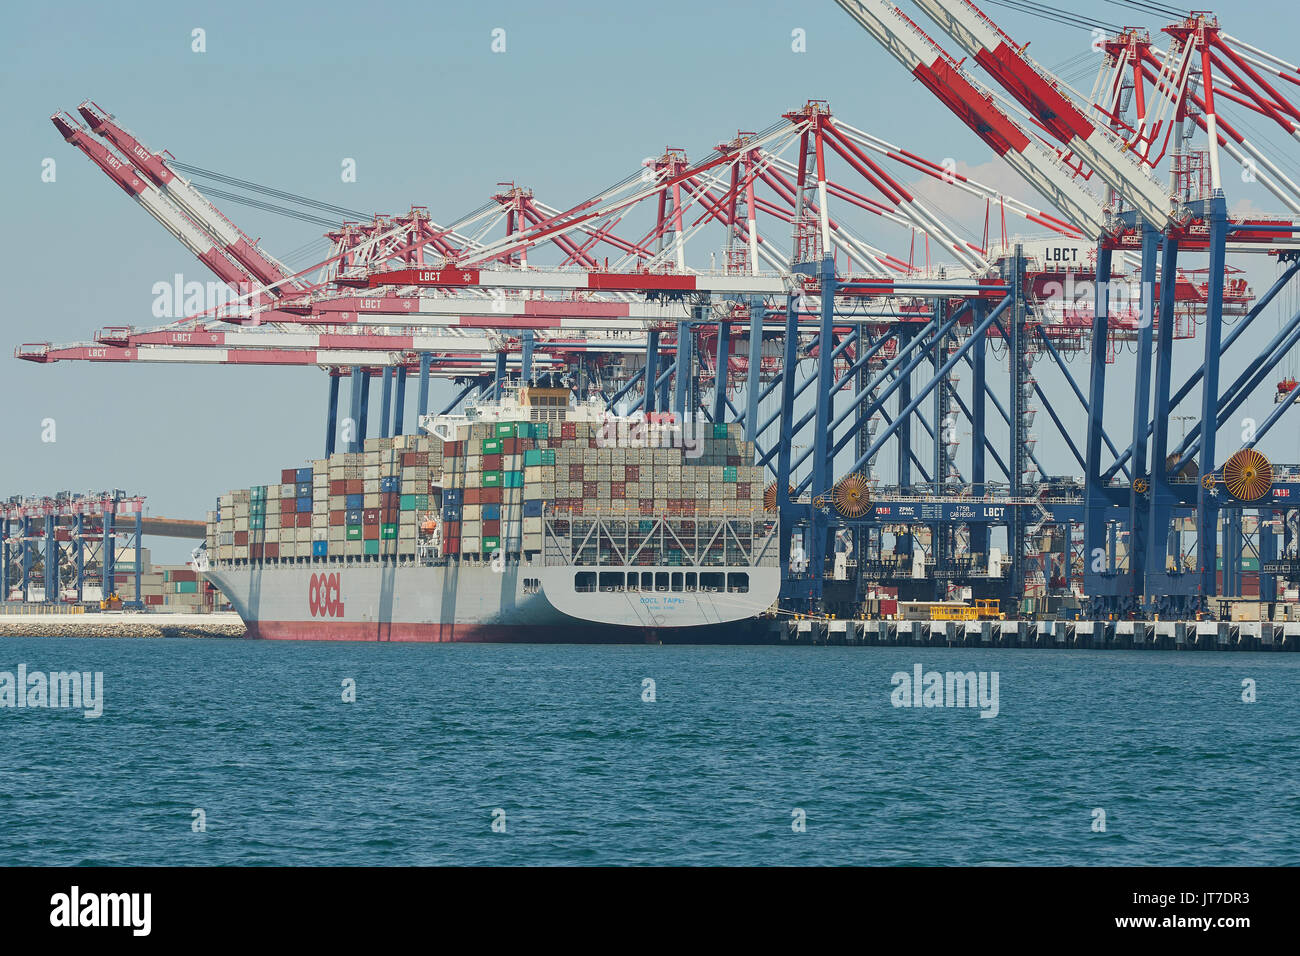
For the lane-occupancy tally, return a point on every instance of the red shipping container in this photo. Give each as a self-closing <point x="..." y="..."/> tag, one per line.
<point x="575" y="473"/>
<point x="338" y="487"/>
<point x="288" y="476"/>
<point x="489" y="496"/>
<point x="255" y="550"/>
<point x="356" y="486"/>
<point x="370" y="532"/>
<point x="742" y="491"/>
<point x="62" y="534"/>
<point x="451" y="529"/>
<point x="388" y="515"/>
<point x="647" y="505"/>
<point x="491" y="528"/>
<point x="452" y="449"/>
<point x="451" y="545"/>
<point x="473" y="496"/>
<point x="633" y="472"/>
<point x="338" y="517"/>
<point x="272" y="550"/>
<point x="491" y="463"/>
<point x="288" y="506"/>
<point x="370" y="516"/>
<point x="589" y="489"/>
<point x="153" y="599"/>
<point x="390" y="499"/>
<point x="184" y="574"/>
<point x="510" y="446"/>
<point x="241" y="537"/>
<point x="617" y="490"/>
<point x="568" y="429"/>
<point x="304" y="519"/>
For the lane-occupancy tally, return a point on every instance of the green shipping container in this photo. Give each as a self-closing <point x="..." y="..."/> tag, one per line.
<point x="354" y="532"/>
<point x="512" y="479"/>
<point x="187" y="587"/>
<point x="507" y="430"/>
<point x="532" y="457"/>
<point x="525" y="429"/>
<point x="388" y="531"/>
<point x="542" y="430"/>
<point x="729" y="473"/>
<point x="719" y="429"/>
<point x="491" y="544"/>
<point x="372" y="547"/>
<point x="408" y="502"/>
<point x="548" y="456"/>
<point x="491" y="446"/>
<point x="490" y="479"/>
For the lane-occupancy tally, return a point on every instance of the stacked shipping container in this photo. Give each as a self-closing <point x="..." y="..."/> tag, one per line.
<point x="485" y="490"/>
<point x="351" y="505"/>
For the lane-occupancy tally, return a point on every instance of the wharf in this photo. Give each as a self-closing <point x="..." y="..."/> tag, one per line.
<point x="115" y="624"/>
<point x="1074" y="635"/>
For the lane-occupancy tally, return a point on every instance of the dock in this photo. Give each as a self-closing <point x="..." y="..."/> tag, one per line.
<point x="1071" y="635"/>
<point x="113" y="624"/>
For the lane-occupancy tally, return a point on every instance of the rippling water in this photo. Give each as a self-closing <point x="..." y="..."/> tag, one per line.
<point x="441" y="736"/>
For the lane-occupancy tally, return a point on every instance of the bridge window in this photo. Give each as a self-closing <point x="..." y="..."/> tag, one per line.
<point x="738" y="581"/>
<point x="690" y="580"/>
<point x="611" y="580"/>
<point x="584" y="581"/>
<point x="712" y="580"/>
<point x="661" y="581"/>
<point x="647" y="581"/>
<point x="677" y="580"/>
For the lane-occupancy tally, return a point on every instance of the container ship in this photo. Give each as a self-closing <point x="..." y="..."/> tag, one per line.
<point x="532" y="518"/>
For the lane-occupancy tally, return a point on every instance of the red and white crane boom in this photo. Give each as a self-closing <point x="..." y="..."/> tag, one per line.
<point x="974" y="106"/>
<point x="135" y="185"/>
<point x="1038" y="90"/>
<point x="179" y="190"/>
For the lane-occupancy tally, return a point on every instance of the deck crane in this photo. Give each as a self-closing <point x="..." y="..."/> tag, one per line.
<point x="266" y="270"/>
<point x="1039" y="91"/>
<point x="974" y="106"/>
<point x="135" y="185"/>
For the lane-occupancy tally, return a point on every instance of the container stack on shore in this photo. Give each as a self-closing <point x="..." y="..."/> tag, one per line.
<point x="482" y="491"/>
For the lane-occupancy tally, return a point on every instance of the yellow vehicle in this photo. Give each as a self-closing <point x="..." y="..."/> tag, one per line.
<point x="111" y="603"/>
<point x="984" y="609"/>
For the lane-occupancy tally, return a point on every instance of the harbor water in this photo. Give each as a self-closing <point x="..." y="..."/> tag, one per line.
<point x="238" y="752"/>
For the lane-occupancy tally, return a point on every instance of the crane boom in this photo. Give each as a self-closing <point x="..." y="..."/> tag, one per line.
<point x="1038" y="90"/>
<point x="974" y="106"/>
<point x="129" y="179"/>
<point x="205" y="215"/>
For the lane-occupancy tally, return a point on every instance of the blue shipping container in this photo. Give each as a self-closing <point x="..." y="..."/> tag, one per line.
<point x="353" y="517"/>
<point x="388" y="485"/>
<point x="452" y="496"/>
<point x="320" y="549"/>
<point x="532" y="508"/>
<point x="450" y="513"/>
<point x="304" y="489"/>
<point x="304" y="504"/>
<point x="354" y="502"/>
<point x="304" y="474"/>
<point x="491" y="512"/>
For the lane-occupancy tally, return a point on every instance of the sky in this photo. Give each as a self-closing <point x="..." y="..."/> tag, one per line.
<point x="414" y="93"/>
